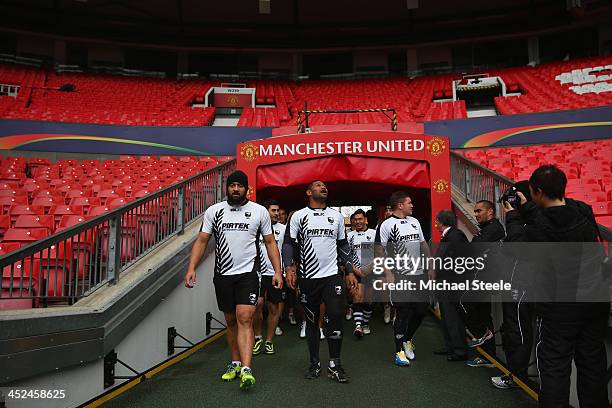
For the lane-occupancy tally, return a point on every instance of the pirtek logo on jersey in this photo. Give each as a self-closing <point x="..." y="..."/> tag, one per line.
<point x="242" y="226"/>
<point x="319" y="232"/>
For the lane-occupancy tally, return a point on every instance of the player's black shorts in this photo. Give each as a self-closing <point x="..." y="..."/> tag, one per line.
<point x="232" y="290"/>
<point x="268" y="291"/>
<point x="329" y="290"/>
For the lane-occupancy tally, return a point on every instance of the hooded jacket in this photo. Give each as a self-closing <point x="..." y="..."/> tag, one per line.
<point x="564" y="270"/>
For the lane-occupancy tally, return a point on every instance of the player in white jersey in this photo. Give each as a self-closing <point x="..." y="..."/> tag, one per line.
<point x="401" y="235"/>
<point x="236" y="225"/>
<point x="315" y="239"/>
<point x="268" y="293"/>
<point x="361" y="240"/>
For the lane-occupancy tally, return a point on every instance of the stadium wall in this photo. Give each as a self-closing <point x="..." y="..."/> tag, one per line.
<point x="532" y="128"/>
<point x="128" y="140"/>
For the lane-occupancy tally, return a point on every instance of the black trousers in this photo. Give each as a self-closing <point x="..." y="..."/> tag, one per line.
<point x="478" y="319"/>
<point x="580" y="338"/>
<point x="453" y="326"/>
<point x="517" y="335"/>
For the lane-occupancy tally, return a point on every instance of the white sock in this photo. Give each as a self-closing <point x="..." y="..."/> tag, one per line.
<point x="237" y="363"/>
<point x="245" y="368"/>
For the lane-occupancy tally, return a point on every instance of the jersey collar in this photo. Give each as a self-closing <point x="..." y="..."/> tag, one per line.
<point x="318" y="209"/>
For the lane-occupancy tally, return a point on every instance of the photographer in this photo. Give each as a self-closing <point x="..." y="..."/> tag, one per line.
<point x="517" y="306"/>
<point x="566" y="330"/>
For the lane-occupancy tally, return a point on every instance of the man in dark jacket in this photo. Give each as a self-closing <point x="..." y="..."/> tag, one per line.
<point x="477" y="305"/>
<point x="452" y="245"/>
<point x="518" y="312"/>
<point x="567" y="330"/>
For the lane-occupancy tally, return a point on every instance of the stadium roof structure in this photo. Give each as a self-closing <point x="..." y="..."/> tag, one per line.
<point x="290" y="24"/>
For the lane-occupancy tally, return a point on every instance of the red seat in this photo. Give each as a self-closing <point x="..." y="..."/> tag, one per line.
<point x="97" y="210"/>
<point x="7" y="202"/>
<point x="47" y="202"/>
<point x="6" y="247"/>
<point x="17" y="210"/>
<point x="71" y="220"/>
<point x="36" y="221"/>
<point x="24" y="235"/>
<point x="115" y="203"/>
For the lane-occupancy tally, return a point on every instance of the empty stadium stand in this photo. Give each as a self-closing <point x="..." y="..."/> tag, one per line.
<point x="62" y="194"/>
<point x="586" y="164"/>
<point x="108" y="99"/>
<point x="548" y="87"/>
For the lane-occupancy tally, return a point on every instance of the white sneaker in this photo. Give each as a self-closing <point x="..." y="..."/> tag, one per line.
<point x="292" y="319"/>
<point x="278" y="331"/>
<point x="322" y="337"/>
<point x="349" y="314"/>
<point x="366" y="329"/>
<point x="387" y="314"/>
<point x="303" y="330"/>
<point x="409" y="349"/>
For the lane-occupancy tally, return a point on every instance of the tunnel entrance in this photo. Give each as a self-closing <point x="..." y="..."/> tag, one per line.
<point x="357" y="166"/>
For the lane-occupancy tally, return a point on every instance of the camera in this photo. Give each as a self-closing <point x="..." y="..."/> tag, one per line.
<point x="511" y="197"/>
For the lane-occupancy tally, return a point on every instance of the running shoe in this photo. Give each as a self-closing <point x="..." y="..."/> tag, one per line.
<point x="349" y="313"/>
<point x="479" y="342"/>
<point x="503" y="382"/>
<point x="231" y="372"/>
<point x="409" y="349"/>
<point x="257" y="346"/>
<point x="479" y="362"/>
<point x="337" y="374"/>
<point x="269" y="348"/>
<point x="303" y="330"/>
<point x="366" y="329"/>
<point x="278" y="331"/>
<point x="358" y="332"/>
<point x="314" y="371"/>
<point x="387" y="315"/>
<point x="292" y="320"/>
<point x="246" y="379"/>
<point x="401" y="359"/>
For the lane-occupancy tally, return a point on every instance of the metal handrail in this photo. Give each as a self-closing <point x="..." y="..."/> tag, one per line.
<point x="476" y="182"/>
<point x="76" y="261"/>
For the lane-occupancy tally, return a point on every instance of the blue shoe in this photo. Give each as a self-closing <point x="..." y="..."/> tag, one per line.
<point x="401" y="359"/>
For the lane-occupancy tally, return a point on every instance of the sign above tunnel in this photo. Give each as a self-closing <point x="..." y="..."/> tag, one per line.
<point x="312" y="153"/>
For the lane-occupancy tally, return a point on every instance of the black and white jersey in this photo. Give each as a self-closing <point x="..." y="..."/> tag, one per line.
<point x="403" y="237"/>
<point x="278" y="230"/>
<point x="317" y="232"/>
<point x="362" y="246"/>
<point x="236" y="231"/>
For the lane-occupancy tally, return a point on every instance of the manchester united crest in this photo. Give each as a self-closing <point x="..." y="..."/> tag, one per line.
<point x="232" y="100"/>
<point x="440" y="186"/>
<point x="436" y="146"/>
<point x="249" y="152"/>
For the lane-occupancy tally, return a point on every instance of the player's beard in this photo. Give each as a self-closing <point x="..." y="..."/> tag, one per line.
<point x="236" y="201"/>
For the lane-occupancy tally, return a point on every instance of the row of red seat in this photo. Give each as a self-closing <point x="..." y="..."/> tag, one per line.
<point x="150" y="101"/>
<point x="541" y="92"/>
<point x="587" y="164"/>
<point x="84" y="188"/>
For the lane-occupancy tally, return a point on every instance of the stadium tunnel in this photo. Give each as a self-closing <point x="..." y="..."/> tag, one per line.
<point x="364" y="174"/>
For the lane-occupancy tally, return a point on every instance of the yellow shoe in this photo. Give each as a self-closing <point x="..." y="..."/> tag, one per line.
<point x="232" y="371"/>
<point x="246" y="379"/>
